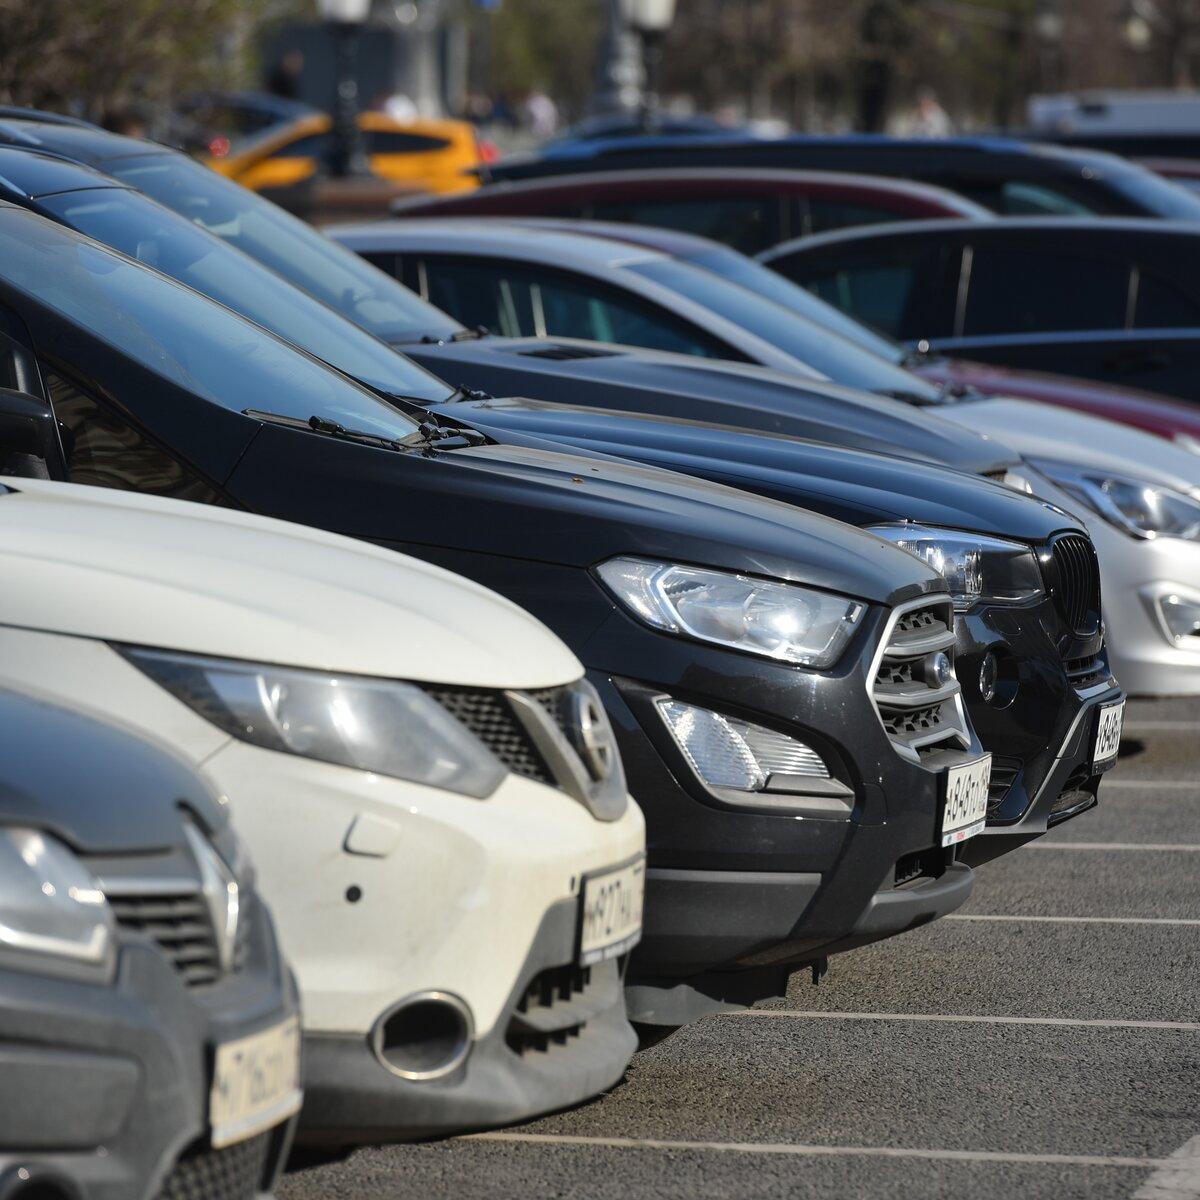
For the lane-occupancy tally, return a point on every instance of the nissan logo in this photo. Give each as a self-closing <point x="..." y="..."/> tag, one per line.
<point x="592" y="734"/>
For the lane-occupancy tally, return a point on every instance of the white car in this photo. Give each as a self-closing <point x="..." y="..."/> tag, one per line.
<point x="429" y="788"/>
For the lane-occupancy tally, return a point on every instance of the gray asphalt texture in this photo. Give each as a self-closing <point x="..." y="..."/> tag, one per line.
<point x="801" y="1099"/>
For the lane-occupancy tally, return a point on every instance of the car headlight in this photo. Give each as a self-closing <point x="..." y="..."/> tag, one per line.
<point x="775" y="619"/>
<point x="976" y="568"/>
<point x="53" y="915"/>
<point x="377" y="725"/>
<point x="1141" y="509"/>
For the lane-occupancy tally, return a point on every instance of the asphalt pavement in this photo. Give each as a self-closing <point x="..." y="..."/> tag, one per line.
<point x="1044" y="1042"/>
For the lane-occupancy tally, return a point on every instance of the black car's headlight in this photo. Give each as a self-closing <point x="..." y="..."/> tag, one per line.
<point x="976" y="568"/>
<point x="774" y="619"/>
<point x="53" y="915"/>
<point x="378" y="725"/>
<point x="1141" y="509"/>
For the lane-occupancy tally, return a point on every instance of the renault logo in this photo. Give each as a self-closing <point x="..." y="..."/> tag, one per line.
<point x="591" y="732"/>
<point x="221" y="895"/>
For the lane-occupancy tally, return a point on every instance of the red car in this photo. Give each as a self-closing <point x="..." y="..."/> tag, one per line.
<point x="747" y="209"/>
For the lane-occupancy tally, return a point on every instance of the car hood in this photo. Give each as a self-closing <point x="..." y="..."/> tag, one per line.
<point x="116" y="566"/>
<point x="1040" y="431"/>
<point x="536" y="503"/>
<point x="677" y="385"/>
<point x="849" y="485"/>
<point x="96" y="787"/>
<point x="1145" y="410"/>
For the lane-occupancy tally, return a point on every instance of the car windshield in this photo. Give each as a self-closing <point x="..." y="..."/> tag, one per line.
<point x="287" y="245"/>
<point x="178" y="333"/>
<point x="1152" y="194"/>
<point x="145" y="230"/>
<point x="834" y="356"/>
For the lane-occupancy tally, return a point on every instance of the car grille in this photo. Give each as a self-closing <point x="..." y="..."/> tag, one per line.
<point x="1076" y="584"/>
<point x="1004" y="774"/>
<point x="1086" y="673"/>
<point x="234" y="1173"/>
<point x="489" y="716"/>
<point x="180" y="924"/>
<point x="920" y="715"/>
<point x="552" y="1011"/>
<point x="924" y="864"/>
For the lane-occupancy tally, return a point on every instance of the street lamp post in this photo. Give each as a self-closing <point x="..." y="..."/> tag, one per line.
<point x="347" y="18"/>
<point x="650" y="20"/>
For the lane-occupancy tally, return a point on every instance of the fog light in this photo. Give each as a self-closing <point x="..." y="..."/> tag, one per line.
<point x="989" y="674"/>
<point x="1181" y="617"/>
<point x="729" y="753"/>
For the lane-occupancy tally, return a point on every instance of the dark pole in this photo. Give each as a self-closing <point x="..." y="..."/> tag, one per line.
<point x="652" y="63"/>
<point x="349" y="156"/>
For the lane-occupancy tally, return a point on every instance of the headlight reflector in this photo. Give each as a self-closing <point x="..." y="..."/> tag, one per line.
<point x="377" y="725"/>
<point x="50" y="904"/>
<point x="1141" y="509"/>
<point x="767" y="617"/>
<point x="974" y="566"/>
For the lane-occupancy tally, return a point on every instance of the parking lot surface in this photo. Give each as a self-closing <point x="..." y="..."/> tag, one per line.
<point x="1044" y="1042"/>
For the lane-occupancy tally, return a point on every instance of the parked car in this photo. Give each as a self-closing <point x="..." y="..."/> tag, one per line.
<point x="219" y="122"/>
<point x="430" y="155"/>
<point x="750" y="210"/>
<point x="1004" y="175"/>
<point x="633" y="566"/>
<point x="149" y="1036"/>
<point x="1025" y="797"/>
<point x="429" y="789"/>
<point x="1026" y="293"/>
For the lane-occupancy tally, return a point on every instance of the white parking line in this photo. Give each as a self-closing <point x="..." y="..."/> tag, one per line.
<point x="1146" y="726"/>
<point x="948" y="1019"/>
<point x="1157" y="846"/>
<point x="1177" y="1179"/>
<point x="1165" y="785"/>
<point x="1073" y="920"/>
<point x="983" y="1156"/>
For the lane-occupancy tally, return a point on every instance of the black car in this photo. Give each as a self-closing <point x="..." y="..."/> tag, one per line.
<point x="1007" y="176"/>
<point x="133" y="989"/>
<point x="1025" y="293"/>
<point x="1031" y="765"/>
<point x="838" y="671"/>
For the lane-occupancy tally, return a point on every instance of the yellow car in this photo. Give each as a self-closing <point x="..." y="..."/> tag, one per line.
<point x="434" y="156"/>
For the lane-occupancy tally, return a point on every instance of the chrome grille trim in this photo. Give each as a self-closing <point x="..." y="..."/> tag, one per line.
<point x="918" y="714"/>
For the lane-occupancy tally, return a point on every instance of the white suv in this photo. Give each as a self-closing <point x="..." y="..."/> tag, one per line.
<point x="429" y="788"/>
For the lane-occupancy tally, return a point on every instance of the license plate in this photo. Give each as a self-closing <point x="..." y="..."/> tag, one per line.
<point x="966" y="800"/>
<point x="256" y="1083"/>
<point x="1108" y="735"/>
<point x="612" y="912"/>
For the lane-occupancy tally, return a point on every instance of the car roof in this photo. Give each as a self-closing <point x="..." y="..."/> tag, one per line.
<point x="87" y="143"/>
<point x="649" y="237"/>
<point x="494" y="236"/>
<point x="30" y="173"/>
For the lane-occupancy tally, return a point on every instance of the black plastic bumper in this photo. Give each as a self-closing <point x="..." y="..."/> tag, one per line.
<point x="350" y="1097"/>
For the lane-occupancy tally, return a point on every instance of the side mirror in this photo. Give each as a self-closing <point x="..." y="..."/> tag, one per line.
<point x="30" y="444"/>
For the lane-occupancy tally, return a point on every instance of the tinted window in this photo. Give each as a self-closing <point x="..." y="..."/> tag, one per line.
<point x="378" y="142"/>
<point x="1162" y="305"/>
<point x="519" y="301"/>
<point x="178" y="333"/>
<point x="316" y="145"/>
<point x="748" y="223"/>
<point x="1038" y="290"/>
<point x="1020" y="199"/>
<point x="106" y="451"/>
<point x="333" y="274"/>
<point x="826" y="212"/>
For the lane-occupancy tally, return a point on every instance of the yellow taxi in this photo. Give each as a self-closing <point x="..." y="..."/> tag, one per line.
<point x="429" y="155"/>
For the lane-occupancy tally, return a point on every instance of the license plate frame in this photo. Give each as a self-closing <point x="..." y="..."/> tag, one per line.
<point x="255" y="1083"/>
<point x="964" y="807"/>
<point x="1109" y="724"/>
<point x="610" y="911"/>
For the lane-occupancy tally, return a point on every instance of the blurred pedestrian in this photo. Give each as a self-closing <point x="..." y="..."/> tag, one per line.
<point x="541" y="113"/>
<point x="929" y="119"/>
<point x="284" y="77"/>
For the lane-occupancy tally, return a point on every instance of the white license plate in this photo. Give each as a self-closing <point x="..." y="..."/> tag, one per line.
<point x="1108" y="735"/>
<point x="966" y="800"/>
<point x="612" y="912"/>
<point x="256" y="1083"/>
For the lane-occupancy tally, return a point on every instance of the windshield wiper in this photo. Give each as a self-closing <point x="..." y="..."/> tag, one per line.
<point x="317" y="424"/>
<point x="435" y="432"/>
<point x="459" y="335"/>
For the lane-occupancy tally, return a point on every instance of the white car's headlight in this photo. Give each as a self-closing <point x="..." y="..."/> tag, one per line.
<point x="976" y="568"/>
<point x="775" y="619"/>
<point x="377" y="725"/>
<point x="1141" y="509"/>
<point x="53" y="914"/>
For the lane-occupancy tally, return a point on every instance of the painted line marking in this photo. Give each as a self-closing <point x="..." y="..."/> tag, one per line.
<point x="1165" y="785"/>
<point x="940" y="1018"/>
<point x="1074" y="920"/>
<point x="1137" y="726"/>
<point x="1156" y="846"/>
<point x="784" y="1148"/>
<point x="1178" y="1179"/>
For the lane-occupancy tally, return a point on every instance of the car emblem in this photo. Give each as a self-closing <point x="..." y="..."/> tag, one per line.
<point x="221" y="895"/>
<point x="592" y="733"/>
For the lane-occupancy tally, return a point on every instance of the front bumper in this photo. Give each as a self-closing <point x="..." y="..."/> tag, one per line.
<point x="563" y="1046"/>
<point x="104" y="1089"/>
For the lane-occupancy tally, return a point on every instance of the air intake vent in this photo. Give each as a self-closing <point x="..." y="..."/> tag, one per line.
<point x="567" y="353"/>
<point x="1076" y="584"/>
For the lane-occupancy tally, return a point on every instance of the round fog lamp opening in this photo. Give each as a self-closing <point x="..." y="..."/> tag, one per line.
<point x="426" y="1036"/>
<point x="942" y="669"/>
<point x="989" y="674"/>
